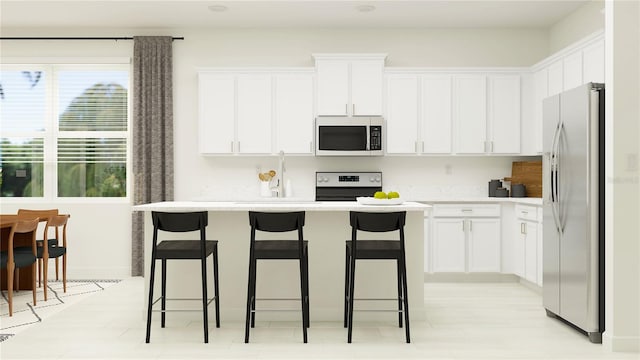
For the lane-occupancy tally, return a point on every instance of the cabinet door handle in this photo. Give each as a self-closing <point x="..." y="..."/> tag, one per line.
<point x="470" y="225"/>
<point x="232" y="146"/>
<point x="525" y="228"/>
<point x="311" y="147"/>
<point x="463" y="221"/>
<point x="467" y="210"/>
<point x="422" y="146"/>
<point x="492" y="146"/>
<point x="353" y="109"/>
<point x="415" y="146"/>
<point x="238" y="146"/>
<point x="346" y="109"/>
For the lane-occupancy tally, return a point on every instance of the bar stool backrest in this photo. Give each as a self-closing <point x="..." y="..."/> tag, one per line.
<point x="377" y="222"/>
<point x="180" y="222"/>
<point x="276" y="222"/>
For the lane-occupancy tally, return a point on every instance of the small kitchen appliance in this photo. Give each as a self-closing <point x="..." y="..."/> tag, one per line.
<point x="346" y="186"/>
<point x="349" y="136"/>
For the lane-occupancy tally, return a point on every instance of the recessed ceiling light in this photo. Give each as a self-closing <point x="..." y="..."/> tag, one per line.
<point x="218" y="8"/>
<point x="365" y="8"/>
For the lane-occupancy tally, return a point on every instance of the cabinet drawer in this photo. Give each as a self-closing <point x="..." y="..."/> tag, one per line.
<point x="466" y="210"/>
<point x="527" y="212"/>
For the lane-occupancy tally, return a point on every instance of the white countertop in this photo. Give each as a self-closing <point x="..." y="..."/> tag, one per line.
<point x="276" y="205"/>
<point x="523" y="200"/>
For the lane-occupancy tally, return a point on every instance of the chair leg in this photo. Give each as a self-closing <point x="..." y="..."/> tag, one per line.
<point x="57" y="269"/>
<point x="205" y="308"/>
<point x="399" y="275"/>
<point x="406" y="299"/>
<point x="151" y="279"/>
<point x="64" y="272"/>
<point x="33" y="282"/>
<point x="163" y="292"/>
<point x="352" y="274"/>
<point x="45" y="266"/>
<point x="215" y="286"/>
<point x="16" y="282"/>
<point x="39" y="272"/>
<point x="302" y="299"/>
<point x="249" y="298"/>
<point x="10" y="268"/>
<point x="346" y="285"/>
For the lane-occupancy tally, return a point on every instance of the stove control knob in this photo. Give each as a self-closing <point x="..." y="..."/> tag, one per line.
<point x="378" y="179"/>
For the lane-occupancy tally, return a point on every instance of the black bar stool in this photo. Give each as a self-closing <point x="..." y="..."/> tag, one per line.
<point x="277" y="250"/>
<point x="183" y="250"/>
<point x="376" y="250"/>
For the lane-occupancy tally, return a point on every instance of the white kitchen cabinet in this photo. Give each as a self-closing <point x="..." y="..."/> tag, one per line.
<point x="255" y="112"/>
<point x="427" y="248"/>
<point x="470" y="113"/>
<point x="487" y="114"/>
<point x="528" y="264"/>
<point x="294" y="113"/>
<point x="216" y="108"/>
<point x="402" y="115"/>
<point x="449" y="245"/>
<point x="504" y="114"/>
<point x="572" y="71"/>
<point x="436" y="114"/>
<point x="349" y="85"/>
<point x="555" y="78"/>
<point x="418" y="114"/>
<point x="593" y="63"/>
<point x="466" y="238"/>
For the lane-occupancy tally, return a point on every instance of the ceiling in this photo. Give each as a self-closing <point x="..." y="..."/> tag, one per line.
<point x="140" y="14"/>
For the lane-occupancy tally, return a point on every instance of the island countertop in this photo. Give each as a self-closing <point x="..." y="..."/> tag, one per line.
<point x="277" y="205"/>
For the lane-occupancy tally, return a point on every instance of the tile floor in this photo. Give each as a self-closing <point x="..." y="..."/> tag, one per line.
<point x="464" y="321"/>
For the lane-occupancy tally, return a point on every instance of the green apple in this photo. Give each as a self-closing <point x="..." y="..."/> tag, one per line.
<point x="393" y="195"/>
<point x="380" y="195"/>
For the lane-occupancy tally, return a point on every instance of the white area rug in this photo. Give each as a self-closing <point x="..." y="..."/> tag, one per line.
<point x="25" y="314"/>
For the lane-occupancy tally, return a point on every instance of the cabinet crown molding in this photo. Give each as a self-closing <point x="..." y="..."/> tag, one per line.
<point x="349" y="56"/>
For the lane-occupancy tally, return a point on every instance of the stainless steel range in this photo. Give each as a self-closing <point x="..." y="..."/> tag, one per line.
<point x="346" y="186"/>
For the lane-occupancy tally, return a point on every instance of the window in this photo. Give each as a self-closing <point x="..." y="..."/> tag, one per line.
<point x="64" y="131"/>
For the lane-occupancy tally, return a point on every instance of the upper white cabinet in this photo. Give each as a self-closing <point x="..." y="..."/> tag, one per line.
<point x="418" y="114"/>
<point x="504" y="114"/>
<point x="217" y="112"/>
<point x="294" y="113"/>
<point x="349" y="85"/>
<point x="487" y="114"/>
<point x="402" y="113"/>
<point x="470" y="113"/>
<point x="255" y="112"/>
<point x="593" y="62"/>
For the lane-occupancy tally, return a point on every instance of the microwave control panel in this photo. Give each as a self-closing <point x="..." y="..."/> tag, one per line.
<point x="375" y="136"/>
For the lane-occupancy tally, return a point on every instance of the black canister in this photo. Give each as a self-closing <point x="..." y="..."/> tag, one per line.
<point x="518" y="190"/>
<point x="502" y="192"/>
<point x="493" y="185"/>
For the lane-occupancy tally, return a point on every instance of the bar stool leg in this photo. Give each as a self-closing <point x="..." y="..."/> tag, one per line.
<point x="151" y="278"/>
<point x="249" y="297"/>
<point x="406" y="298"/>
<point x="205" y="312"/>
<point x="352" y="274"/>
<point x="254" y="275"/>
<point x="164" y="292"/>
<point x="215" y="285"/>
<point x="302" y="299"/>
<point x="400" y="287"/>
<point x="346" y="285"/>
<point x="306" y="277"/>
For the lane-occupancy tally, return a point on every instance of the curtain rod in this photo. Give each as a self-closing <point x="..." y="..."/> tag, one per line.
<point x="76" y="38"/>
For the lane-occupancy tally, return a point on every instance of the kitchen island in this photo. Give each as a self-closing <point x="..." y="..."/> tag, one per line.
<point x="326" y="228"/>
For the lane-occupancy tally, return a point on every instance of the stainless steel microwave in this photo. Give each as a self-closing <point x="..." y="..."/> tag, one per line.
<point x="349" y="136"/>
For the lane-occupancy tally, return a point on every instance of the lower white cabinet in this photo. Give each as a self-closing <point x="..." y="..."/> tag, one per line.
<point x="528" y="246"/>
<point x="466" y="238"/>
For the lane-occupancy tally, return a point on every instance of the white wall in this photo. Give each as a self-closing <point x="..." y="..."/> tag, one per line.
<point x="197" y="176"/>
<point x="586" y="20"/>
<point x="622" y="246"/>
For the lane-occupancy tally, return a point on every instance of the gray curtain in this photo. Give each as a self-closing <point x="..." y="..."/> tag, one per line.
<point x="152" y="132"/>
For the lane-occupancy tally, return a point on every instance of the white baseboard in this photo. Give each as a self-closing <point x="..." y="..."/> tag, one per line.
<point x="621" y="343"/>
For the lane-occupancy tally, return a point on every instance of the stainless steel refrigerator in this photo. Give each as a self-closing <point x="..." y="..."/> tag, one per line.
<point x="573" y="198"/>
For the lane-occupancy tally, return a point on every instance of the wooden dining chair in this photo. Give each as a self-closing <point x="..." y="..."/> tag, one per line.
<point x="44" y="215"/>
<point x="12" y="260"/>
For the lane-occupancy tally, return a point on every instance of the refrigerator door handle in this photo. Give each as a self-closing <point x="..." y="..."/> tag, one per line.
<point x="554" y="177"/>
